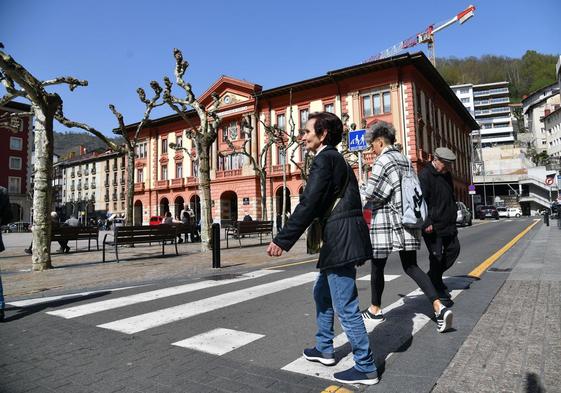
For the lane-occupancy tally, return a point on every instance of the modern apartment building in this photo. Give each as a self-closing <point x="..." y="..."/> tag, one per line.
<point x="534" y="107"/>
<point x="552" y="126"/>
<point x="92" y="184"/>
<point x="405" y="90"/>
<point x="16" y="142"/>
<point x="489" y="105"/>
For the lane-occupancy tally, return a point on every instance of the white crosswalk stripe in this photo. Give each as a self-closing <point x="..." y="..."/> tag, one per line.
<point x="387" y="277"/>
<point x="218" y="341"/>
<point x="90" y="308"/>
<point x="154" y="319"/>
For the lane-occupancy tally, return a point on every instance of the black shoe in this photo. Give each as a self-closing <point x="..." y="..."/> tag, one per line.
<point x="180" y="240"/>
<point x="352" y="375"/>
<point x="366" y="314"/>
<point x="444" y="320"/>
<point x="28" y="251"/>
<point x="313" y="355"/>
<point x="1" y="315"/>
<point x="66" y="250"/>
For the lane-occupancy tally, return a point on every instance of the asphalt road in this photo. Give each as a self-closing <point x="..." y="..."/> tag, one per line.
<point x="169" y="337"/>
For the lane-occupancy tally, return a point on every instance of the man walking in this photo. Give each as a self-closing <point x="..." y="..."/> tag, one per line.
<point x="5" y="217"/>
<point x="440" y="233"/>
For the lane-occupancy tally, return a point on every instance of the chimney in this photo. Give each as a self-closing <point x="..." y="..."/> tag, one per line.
<point x="82" y="150"/>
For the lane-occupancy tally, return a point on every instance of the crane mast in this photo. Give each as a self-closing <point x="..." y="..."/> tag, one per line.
<point x="425" y="37"/>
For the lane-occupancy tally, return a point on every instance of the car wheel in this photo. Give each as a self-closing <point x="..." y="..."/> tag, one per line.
<point x="517" y="215"/>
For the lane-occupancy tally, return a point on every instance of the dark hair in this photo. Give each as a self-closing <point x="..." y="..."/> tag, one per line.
<point x="329" y="123"/>
<point x="381" y="129"/>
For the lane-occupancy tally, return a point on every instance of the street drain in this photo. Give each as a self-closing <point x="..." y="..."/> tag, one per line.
<point x="219" y="277"/>
<point x="495" y="269"/>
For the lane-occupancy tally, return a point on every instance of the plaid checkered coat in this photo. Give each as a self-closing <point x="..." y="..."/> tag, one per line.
<point x="383" y="193"/>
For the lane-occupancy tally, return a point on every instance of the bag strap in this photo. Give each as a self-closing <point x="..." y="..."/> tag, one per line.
<point x="336" y="202"/>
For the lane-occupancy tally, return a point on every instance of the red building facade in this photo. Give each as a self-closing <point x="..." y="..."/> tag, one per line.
<point x="405" y="90"/>
<point x="16" y="140"/>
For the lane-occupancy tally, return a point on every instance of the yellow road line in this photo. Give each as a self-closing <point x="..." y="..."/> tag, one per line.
<point x="478" y="271"/>
<point x="336" y="389"/>
<point x="293" y="264"/>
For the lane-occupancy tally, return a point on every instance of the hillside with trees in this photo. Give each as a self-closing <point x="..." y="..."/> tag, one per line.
<point x="526" y="75"/>
<point x="66" y="141"/>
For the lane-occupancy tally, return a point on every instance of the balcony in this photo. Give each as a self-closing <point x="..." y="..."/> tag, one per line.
<point x="114" y="197"/>
<point x="72" y="188"/>
<point x="106" y="198"/>
<point x="123" y="181"/>
<point x="122" y="165"/>
<point x="93" y="171"/>
<point x="72" y="174"/>
<point x="106" y="183"/>
<point x="229" y="173"/>
<point x="177" y="183"/>
<point x="107" y="168"/>
<point x="115" y="167"/>
<point x="161" y="184"/>
<point x="115" y="182"/>
<point x="279" y="168"/>
<point x="86" y="187"/>
<point x="86" y="172"/>
<point x="492" y="101"/>
<point x="79" y="173"/>
<point x="93" y="186"/>
<point x="139" y="187"/>
<point x="502" y="90"/>
<point x="192" y="180"/>
<point x="123" y="197"/>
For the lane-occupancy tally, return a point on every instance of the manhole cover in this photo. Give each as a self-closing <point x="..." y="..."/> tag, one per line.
<point x="219" y="277"/>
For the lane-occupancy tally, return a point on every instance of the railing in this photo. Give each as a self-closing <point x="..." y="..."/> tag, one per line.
<point x="107" y="168"/>
<point x="114" y="197"/>
<point x="139" y="187"/>
<point x="106" y="183"/>
<point x="93" y="171"/>
<point x="79" y="173"/>
<point x="72" y="174"/>
<point x="229" y="173"/>
<point x="490" y="91"/>
<point x="177" y="183"/>
<point x="106" y="198"/>
<point x="86" y="187"/>
<point x="71" y="188"/>
<point x="161" y="184"/>
<point x="122" y="181"/>
<point x="122" y="197"/>
<point x="192" y="180"/>
<point x="93" y="185"/>
<point x="115" y="182"/>
<point x="86" y="172"/>
<point x="279" y="168"/>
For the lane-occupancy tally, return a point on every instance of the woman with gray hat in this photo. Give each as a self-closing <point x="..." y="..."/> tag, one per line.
<point x="387" y="232"/>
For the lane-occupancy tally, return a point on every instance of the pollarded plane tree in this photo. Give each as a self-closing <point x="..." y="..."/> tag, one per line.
<point x="202" y="135"/>
<point x="45" y="108"/>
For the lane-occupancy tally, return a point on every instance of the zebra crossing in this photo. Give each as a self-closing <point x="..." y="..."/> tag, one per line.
<point x="222" y="340"/>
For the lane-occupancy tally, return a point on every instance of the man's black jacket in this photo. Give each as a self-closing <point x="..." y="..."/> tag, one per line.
<point x="345" y="238"/>
<point x="438" y="191"/>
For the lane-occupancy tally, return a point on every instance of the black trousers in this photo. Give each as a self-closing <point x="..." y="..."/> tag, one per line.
<point x="410" y="267"/>
<point x="443" y="252"/>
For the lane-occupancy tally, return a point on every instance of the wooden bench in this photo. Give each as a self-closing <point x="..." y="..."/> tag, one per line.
<point x="141" y="234"/>
<point x="240" y="228"/>
<point x="66" y="233"/>
<point x="185" y="229"/>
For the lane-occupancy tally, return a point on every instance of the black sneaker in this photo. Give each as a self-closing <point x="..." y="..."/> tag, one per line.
<point x="28" y="251"/>
<point x="444" y="320"/>
<point x="1" y="315"/>
<point x="446" y="301"/>
<point x="352" y="375"/>
<point x="313" y="355"/>
<point x="366" y="314"/>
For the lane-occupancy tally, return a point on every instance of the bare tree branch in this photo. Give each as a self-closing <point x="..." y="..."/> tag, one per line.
<point x="72" y="82"/>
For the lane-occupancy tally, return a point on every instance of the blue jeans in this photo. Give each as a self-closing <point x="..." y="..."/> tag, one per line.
<point x="335" y="292"/>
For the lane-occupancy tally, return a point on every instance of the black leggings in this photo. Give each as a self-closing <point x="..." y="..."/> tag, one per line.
<point x="409" y="264"/>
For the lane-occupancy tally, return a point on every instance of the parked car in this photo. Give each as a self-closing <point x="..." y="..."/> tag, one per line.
<point x="118" y="222"/>
<point x="19" y="226"/>
<point x="503" y="211"/>
<point x="464" y="215"/>
<point x="155" y="220"/>
<point x="487" y="211"/>
<point x="514" y="212"/>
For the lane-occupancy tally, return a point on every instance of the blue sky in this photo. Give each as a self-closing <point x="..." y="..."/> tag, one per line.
<point x="121" y="45"/>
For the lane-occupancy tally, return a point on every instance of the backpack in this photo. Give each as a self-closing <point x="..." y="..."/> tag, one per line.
<point x="414" y="208"/>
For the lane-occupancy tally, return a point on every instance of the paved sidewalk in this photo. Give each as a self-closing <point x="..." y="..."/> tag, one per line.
<point x="516" y="345"/>
<point x="81" y="271"/>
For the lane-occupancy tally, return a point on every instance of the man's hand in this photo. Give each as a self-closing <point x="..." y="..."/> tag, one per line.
<point x="428" y="229"/>
<point x="273" y="250"/>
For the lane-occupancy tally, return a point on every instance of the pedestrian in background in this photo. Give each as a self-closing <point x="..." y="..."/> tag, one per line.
<point x="331" y="194"/>
<point x="5" y="218"/>
<point x="387" y="232"/>
<point x="440" y="233"/>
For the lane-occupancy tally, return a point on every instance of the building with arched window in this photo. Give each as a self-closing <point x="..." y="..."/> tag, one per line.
<point x="405" y="90"/>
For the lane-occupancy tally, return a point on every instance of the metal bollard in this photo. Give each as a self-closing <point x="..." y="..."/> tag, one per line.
<point x="216" y="246"/>
<point x="546" y="218"/>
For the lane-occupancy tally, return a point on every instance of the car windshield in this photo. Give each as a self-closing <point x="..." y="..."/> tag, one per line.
<point x="501" y="209"/>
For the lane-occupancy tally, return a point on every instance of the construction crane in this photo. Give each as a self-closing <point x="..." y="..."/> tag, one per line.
<point x="426" y="37"/>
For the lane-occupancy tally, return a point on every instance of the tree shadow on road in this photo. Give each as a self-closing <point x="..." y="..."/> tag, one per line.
<point x="25" y="311"/>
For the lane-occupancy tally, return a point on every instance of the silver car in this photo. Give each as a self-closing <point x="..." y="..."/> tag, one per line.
<point x="463" y="216"/>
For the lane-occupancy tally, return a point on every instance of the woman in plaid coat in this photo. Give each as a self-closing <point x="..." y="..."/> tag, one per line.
<point x="387" y="233"/>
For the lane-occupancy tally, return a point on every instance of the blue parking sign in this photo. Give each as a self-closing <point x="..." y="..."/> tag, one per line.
<point x="356" y="140"/>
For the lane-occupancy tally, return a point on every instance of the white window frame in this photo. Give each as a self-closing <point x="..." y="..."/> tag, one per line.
<point x="10" y="186"/>
<point x="14" y="139"/>
<point x="20" y="163"/>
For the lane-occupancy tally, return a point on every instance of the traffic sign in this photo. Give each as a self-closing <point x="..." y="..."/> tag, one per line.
<point x="471" y="187"/>
<point x="471" y="192"/>
<point x="356" y="140"/>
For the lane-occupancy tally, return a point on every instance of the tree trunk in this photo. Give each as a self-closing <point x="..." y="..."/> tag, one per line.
<point x="263" y="184"/>
<point x="43" y="125"/>
<point x="203" y="148"/>
<point x="130" y="188"/>
<point x="283" y="208"/>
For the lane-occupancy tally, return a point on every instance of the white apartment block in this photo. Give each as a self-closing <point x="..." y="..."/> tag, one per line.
<point x="552" y="125"/>
<point x="93" y="183"/>
<point x="537" y="105"/>
<point x="489" y="105"/>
